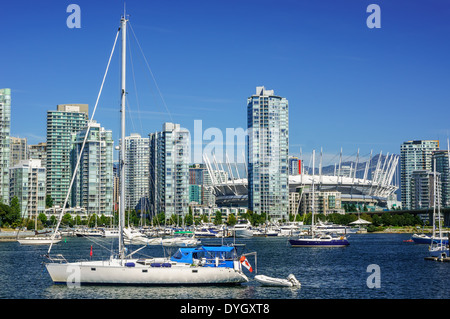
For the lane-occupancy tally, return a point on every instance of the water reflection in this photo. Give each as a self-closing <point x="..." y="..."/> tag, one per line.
<point x="149" y="292"/>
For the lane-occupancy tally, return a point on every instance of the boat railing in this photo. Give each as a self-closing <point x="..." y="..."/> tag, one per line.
<point x="57" y="258"/>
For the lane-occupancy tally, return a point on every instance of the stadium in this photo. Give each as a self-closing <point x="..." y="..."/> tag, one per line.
<point x="372" y="183"/>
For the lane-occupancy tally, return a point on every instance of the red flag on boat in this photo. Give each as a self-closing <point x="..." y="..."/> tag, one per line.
<point x="246" y="264"/>
<point x="90" y="254"/>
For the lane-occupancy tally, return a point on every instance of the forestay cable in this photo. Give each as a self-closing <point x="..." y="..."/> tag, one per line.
<point x="84" y="143"/>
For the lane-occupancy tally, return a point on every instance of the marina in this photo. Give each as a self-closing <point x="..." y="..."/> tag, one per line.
<point x="324" y="273"/>
<point x="243" y="248"/>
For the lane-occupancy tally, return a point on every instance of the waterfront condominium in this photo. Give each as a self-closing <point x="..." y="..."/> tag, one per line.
<point x="27" y="183"/>
<point x="414" y="155"/>
<point x="200" y="186"/>
<point x="169" y="170"/>
<point x="267" y="153"/>
<point x="61" y="123"/>
<point x="136" y="172"/>
<point x="18" y="150"/>
<point x="5" y="126"/>
<point x="93" y="185"/>
<point x="443" y="169"/>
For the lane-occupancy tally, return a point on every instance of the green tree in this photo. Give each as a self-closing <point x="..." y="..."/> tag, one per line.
<point x="67" y="220"/>
<point x="189" y="219"/>
<point x="231" y="220"/>
<point x="218" y="218"/>
<point x="48" y="201"/>
<point x="42" y="218"/>
<point x="14" y="214"/>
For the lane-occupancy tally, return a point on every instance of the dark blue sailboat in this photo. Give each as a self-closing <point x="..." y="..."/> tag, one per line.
<point x="319" y="240"/>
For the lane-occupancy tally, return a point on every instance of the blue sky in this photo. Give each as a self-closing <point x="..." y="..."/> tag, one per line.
<point x="348" y="86"/>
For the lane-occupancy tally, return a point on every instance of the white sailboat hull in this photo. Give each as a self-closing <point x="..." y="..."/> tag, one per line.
<point x="112" y="272"/>
<point x="38" y="241"/>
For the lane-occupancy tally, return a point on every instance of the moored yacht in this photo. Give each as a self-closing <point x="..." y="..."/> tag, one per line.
<point x="242" y="230"/>
<point x="192" y="266"/>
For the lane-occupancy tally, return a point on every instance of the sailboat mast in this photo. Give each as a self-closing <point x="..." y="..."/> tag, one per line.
<point x="312" y="184"/>
<point x="123" y="27"/>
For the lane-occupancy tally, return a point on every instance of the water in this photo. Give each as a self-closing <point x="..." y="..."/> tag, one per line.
<point x="325" y="273"/>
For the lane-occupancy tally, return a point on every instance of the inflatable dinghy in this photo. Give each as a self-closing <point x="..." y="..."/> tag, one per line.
<point x="290" y="281"/>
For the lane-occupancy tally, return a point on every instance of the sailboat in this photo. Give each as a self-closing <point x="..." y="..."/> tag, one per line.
<point x="438" y="248"/>
<point x="39" y="239"/>
<point x="316" y="238"/>
<point x="189" y="266"/>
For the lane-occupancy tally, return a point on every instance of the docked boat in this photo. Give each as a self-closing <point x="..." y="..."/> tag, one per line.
<point x="110" y="232"/>
<point x="181" y="239"/>
<point x="290" y="281"/>
<point x="290" y="229"/>
<point x="40" y="240"/>
<point x="89" y="232"/>
<point x="204" y="265"/>
<point x="189" y="266"/>
<point x="242" y="230"/>
<point x="428" y="240"/>
<point x="333" y="228"/>
<point x="207" y="231"/>
<point x="421" y="239"/>
<point x="319" y="240"/>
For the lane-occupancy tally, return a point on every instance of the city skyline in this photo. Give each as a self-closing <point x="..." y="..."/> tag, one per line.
<point x="208" y="57"/>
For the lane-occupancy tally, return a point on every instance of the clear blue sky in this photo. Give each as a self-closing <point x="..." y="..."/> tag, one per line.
<point x="348" y="86"/>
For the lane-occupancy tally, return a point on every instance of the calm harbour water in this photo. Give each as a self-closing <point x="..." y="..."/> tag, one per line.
<point x="324" y="273"/>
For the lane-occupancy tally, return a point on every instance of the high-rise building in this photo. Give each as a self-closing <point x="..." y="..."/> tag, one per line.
<point x="294" y="165"/>
<point x="136" y="172"/>
<point x="199" y="177"/>
<point x="67" y="119"/>
<point x="169" y="170"/>
<point x="414" y="155"/>
<point x="267" y="153"/>
<point x="424" y="184"/>
<point x="5" y="129"/>
<point x="442" y="167"/>
<point x="93" y="185"/>
<point x="18" y="150"/>
<point x="27" y="183"/>
<point x="38" y="151"/>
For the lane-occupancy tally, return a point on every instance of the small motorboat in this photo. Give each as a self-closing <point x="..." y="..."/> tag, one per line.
<point x="290" y="281"/>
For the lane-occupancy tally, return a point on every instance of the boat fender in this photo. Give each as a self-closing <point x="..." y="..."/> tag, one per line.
<point x="129" y="264"/>
<point x="166" y="265"/>
<point x="155" y="265"/>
